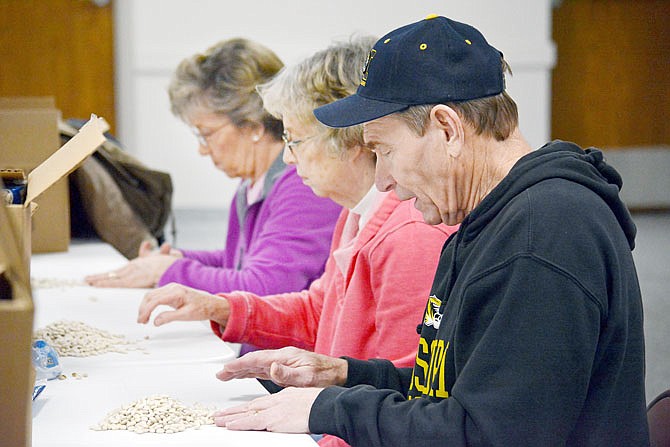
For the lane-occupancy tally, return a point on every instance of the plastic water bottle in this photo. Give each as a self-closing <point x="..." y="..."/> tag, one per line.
<point x="45" y="360"/>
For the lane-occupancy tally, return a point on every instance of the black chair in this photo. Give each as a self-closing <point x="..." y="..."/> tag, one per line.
<point x="658" y="415"/>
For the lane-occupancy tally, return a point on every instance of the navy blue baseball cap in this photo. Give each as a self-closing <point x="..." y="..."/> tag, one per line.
<point x="435" y="60"/>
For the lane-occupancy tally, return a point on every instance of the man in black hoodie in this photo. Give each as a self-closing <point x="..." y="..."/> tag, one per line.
<point x="533" y="331"/>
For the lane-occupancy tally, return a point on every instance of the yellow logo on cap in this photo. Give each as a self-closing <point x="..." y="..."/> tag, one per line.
<point x="371" y="56"/>
<point x="431" y="16"/>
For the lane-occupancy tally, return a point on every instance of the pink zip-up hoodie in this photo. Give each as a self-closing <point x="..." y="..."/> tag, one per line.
<point x="371" y="312"/>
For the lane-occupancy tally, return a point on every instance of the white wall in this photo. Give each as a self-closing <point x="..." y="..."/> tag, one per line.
<point x="152" y="36"/>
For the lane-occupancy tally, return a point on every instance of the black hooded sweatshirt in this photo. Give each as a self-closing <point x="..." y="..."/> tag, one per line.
<point x="532" y="335"/>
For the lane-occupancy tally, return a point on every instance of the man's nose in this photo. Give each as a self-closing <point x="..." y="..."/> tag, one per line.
<point x="383" y="179"/>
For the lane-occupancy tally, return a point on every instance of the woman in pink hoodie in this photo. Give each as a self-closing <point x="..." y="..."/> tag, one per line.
<point x="371" y="296"/>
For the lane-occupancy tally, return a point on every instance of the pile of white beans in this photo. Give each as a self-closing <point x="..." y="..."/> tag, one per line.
<point x="77" y="339"/>
<point x="51" y="283"/>
<point x="156" y="414"/>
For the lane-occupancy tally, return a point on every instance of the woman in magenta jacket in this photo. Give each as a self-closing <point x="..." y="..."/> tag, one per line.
<point x="383" y="256"/>
<point x="214" y="93"/>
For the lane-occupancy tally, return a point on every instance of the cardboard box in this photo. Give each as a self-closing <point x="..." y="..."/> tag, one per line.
<point x="55" y="168"/>
<point x="16" y="321"/>
<point x="28" y="136"/>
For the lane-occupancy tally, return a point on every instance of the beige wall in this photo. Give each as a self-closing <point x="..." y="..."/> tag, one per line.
<point x="152" y="36"/>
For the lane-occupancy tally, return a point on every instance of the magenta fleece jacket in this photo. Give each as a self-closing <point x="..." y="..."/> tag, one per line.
<point x="277" y="244"/>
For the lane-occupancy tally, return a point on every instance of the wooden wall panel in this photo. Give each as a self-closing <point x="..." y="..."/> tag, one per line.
<point x="60" y="48"/>
<point x="611" y="83"/>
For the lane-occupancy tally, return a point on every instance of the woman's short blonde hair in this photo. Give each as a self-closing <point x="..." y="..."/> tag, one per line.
<point x="223" y="80"/>
<point x="327" y="76"/>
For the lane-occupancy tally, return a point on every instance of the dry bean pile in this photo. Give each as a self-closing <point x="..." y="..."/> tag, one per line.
<point x="156" y="414"/>
<point x="50" y="283"/>
<point x="77" y="339"/>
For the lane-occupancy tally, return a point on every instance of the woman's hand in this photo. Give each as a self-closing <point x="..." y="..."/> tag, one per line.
<point x="147" y="249"/>
<point x="141" y="272"/>
<point x="189" y="305"/>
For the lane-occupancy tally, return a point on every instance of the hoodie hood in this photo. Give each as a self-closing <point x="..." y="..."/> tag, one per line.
<point x="557" y="159"/>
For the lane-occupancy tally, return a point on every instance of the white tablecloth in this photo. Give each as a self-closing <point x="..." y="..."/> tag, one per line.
<point x="179" y="360"/>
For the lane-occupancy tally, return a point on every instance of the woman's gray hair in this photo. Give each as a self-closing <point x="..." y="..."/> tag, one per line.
<point x="223" y="80"/>
<point x="327" y="76"/>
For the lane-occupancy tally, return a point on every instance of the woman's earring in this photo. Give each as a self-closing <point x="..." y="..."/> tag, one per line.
<point x="255" y="138"/>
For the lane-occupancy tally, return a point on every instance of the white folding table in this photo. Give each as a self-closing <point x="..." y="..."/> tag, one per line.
<point x="179" y="360"/>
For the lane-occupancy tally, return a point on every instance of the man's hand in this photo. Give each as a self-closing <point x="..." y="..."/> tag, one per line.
<point x="189" y="305"/>
<point x="285" y="412"/>
<point x="288" y="367"/>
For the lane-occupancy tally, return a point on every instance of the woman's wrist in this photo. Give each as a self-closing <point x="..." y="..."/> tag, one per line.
<point x="219" y="311"/>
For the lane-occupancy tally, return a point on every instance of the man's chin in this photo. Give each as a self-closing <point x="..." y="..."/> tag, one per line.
<point x="431" y="219"/>
<point x="430" y="216"/>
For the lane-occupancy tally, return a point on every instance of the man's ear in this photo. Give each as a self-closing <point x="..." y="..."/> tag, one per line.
<point x="447" y="120"/>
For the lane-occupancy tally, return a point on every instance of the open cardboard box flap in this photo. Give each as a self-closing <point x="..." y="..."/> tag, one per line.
<point x="67" y="158"/>
<point x="10" y="252"/>
<point x="16" y="321"/>
<point x="57" y="166"/>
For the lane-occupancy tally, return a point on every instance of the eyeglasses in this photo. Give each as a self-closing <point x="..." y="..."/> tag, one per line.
<point x="203" y="139"/>
<point x="292" y="144"/>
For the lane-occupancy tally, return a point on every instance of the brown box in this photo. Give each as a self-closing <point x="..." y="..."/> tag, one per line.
<point x="16" y="321"/>
<point x="53" y="169"/>
<point x="28" y="136"/>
